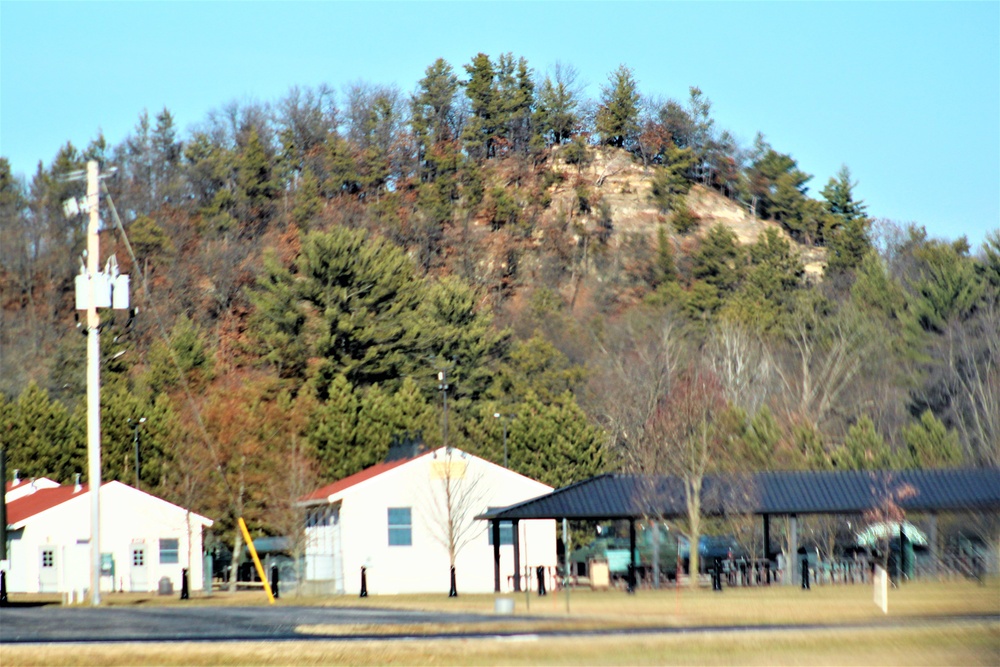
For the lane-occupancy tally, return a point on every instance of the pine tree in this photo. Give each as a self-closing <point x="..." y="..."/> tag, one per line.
<point x="931" y="444"/>
<point x="617" y="120"/>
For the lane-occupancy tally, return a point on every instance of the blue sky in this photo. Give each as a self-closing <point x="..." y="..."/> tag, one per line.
<point x="906" y="94"/>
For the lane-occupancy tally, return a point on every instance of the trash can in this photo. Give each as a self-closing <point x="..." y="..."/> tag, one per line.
<point x="166" y="586"/>
<point x="503" y="605"/>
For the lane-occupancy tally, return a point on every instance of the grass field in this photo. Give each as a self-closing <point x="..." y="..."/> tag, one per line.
<point x="917" y="631"/>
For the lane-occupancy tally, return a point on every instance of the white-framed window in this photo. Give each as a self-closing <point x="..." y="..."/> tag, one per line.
<point x="400" y="527"/>
<point x="169" y="548"/>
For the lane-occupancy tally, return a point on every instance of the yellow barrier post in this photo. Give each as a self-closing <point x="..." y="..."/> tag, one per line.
<point x="256" y="560"/>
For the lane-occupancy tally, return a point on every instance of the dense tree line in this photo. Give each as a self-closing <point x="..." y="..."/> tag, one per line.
<point x="305" y="270"/>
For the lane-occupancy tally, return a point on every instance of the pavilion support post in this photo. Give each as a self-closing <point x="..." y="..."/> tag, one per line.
<point x="631" y="556"/>
<point x="655" y="525"/>
<point x="495" y="528"/>
<point x="517" y="556"/>
<point x="791" y="567"/>
<point x="932" y="542"/>
<point x="767" y="537"/>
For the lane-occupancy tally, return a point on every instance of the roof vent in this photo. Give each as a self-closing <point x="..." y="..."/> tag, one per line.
<point x="17" y="480"/>
<point x="77" y="487"/>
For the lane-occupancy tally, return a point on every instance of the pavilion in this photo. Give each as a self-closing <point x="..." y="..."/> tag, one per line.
<point x="615" y="496"/>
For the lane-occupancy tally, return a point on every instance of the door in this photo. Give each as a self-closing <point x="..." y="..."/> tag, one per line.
<point x="138" y="568"/>
<point x="48" y="570"/>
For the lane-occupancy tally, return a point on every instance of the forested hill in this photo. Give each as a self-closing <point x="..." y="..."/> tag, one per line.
<point x="305" y="268"/>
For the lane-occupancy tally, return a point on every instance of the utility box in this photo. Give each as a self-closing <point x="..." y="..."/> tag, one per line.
<point x="600" y="574"/>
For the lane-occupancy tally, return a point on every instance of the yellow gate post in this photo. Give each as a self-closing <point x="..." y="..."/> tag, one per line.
<point x="256" y="560"/>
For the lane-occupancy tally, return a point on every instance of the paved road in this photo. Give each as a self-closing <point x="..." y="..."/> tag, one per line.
<point x="113" y="624"/>
<point x="53" y="624"/>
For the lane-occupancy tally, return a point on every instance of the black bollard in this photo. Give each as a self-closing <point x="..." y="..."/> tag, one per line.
<point x="453" y="591"/>
<point x="630" y="583"/>
<point x="717" y="575"/>
<point x="184" y="584"/>
<point x="541" y="580"/>
<point x="767" y="568"/>
<point x="805" y="574"/>
<point x="274" y="581"/>
<point x="3" y="588"/>
<point x="364" y="582"/>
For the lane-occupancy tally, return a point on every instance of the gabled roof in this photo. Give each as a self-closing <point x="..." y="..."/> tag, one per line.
<point x="28" y="506"/>
<point x="618" y="496"/>
<point x="25" y="507"/>
<point x="321" y="495"/>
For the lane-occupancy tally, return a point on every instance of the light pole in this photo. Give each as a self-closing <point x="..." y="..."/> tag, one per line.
<point x="443" y="386"/>
<point x="135" y="427"/>
<point x="506" y="420"/>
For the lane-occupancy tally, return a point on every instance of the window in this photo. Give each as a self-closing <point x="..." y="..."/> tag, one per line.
<point x="506" y="533"/>
<point x="400" y="527"/>
<point x="48" y="558"/>
<point x="168" y="552"/>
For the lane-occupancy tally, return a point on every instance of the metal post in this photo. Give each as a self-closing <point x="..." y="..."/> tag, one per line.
<point x="505" y="443"/>
<point x="495" y="528"/>
<point x="793" y="548"/>
<point x="932" y="542"/>
<point x="631" y="556"/>
<point x="517" y="556"/>
<point x="94" y="382"/>
<point x="656" y="553"/>
<point x="568" y="575"/>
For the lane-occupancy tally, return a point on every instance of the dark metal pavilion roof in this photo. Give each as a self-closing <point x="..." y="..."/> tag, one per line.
<point x="620" y="496"/>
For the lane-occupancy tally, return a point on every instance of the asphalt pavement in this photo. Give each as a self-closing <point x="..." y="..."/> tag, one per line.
<point x="23" y="624"/>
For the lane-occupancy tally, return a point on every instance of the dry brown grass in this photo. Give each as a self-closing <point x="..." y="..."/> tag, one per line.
<point x="932" y="644"/>
<point x="924" y="638"/>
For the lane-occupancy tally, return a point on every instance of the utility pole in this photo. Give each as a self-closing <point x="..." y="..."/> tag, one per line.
<point x="94" y="380"/>
<point x="94" y="290"/>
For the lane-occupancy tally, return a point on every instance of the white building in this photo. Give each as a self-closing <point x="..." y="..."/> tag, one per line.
<point x="143" y="539"/>
<point x="392" y="519"/>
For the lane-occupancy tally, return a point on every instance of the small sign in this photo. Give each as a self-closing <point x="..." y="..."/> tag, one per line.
<point x="881" y="579"/>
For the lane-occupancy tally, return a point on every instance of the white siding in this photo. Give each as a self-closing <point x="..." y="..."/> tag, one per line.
<point x="424" y="565"/>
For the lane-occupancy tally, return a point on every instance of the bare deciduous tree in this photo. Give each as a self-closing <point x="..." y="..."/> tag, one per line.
<point x="743" y="365"/>
<point x="684" y="439"/>
<point x="828" y="349"/>
<point x="456" y="496"/>
<point x="637" y="362"/>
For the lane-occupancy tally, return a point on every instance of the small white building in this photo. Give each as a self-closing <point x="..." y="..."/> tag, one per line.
<point x="393" y="520"/>
<point x="143" y="539"/>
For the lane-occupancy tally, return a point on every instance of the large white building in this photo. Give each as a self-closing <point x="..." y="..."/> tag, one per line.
<point x="143" y="539"/>
<point x="393" y="520"/>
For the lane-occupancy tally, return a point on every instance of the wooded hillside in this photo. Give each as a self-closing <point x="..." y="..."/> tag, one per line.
<point x="588" y="270"/>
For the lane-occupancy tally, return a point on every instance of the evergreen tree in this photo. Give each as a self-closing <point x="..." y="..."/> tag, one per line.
<point x="670" y="184"/>
<point x="846" y="229"/>
<point x="44" y="439"/>
<point x="617" y="120"/>
<point x="433" y="117"/>
<point x="481" y="130"/>
<point x="256" y="189"/>
<point x="931" y="444"/>
<point x="865" y="449"/>
<point x="558" y="100"/>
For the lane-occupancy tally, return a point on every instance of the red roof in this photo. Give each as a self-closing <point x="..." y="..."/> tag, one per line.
<point x="357" y="478"/>
<point x="22" y="508"/>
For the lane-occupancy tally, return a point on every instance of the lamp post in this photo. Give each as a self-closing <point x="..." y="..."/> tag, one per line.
<point x="506" y="420"/>
<point x="135" y="440"/>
